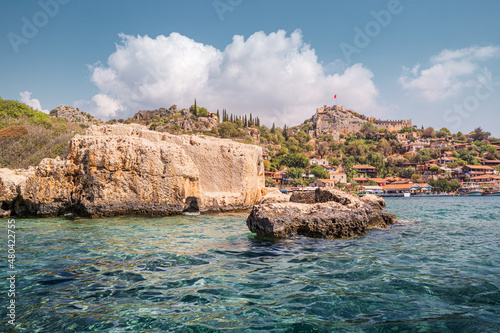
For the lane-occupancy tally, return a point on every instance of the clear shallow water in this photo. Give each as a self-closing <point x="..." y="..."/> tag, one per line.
<point x="209" y="273"/>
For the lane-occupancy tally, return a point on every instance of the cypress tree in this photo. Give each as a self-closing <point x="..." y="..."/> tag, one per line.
<point x="273" y="129"/>
<point x="218" y="115"/>
<point x="232" y="120"/>
<point x="285" y="132"/>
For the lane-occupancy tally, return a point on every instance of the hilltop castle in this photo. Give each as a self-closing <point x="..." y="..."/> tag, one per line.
<point x="336" y="120"/>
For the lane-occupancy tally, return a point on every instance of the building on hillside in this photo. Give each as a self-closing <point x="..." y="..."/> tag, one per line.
<point x="401" y="137"/>
<point x="333" y="168"/>
<point x="460" y="146"/>
<point x="492" y="163"/>
<point x="323" y="183"/>
<point x="485" y="179"/>
<point x="411" y="188"/>
<point x="277" y="176"/>
<point x="366" y="170"/>
<point x="380" y="181"/>
<point x="477" y="170"/>
<point x="361" y="180"/>
<point x="414" y="136"/>
<point x="414" y="147"/>
<point x="321" y="162"/>
<point x="339" y="177"/>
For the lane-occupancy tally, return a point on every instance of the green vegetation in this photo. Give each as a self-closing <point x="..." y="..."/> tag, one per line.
<point x="27" y="136"/>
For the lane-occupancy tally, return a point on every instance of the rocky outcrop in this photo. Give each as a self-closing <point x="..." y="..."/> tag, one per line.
<point x="74" y="115"/>
<point x="335" y="214"/>
<point x="127" y="169"/>
<point x="273" y="195"/>
<point x="303" y="197"/>
<point x="12" y="183"/>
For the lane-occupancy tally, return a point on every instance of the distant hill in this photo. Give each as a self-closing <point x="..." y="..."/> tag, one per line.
<point x="27" y="136"/>
<point x="72" y="114"/>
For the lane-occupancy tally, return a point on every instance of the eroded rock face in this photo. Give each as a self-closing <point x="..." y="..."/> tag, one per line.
<point x="335" y="214"/>
<point x="12" y="182"/>
<point x="118" y="169"/>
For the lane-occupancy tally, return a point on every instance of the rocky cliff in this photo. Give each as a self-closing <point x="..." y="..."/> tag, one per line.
<point x="127" y="169"/>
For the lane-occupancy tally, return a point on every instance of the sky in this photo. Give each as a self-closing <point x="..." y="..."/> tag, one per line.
<point x="435" y="62"/>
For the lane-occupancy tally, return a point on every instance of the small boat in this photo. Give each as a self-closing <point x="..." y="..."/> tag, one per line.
<point x="472" y="193"/>
<point x="494" y="193"/>
<point x="470" y="190"/>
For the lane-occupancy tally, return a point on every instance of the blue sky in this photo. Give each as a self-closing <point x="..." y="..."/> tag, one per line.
<point x="434" y="62"/>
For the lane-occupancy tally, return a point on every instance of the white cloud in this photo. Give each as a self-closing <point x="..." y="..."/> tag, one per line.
<point x="275" y="76"/>
<point x="451" y="71"/>
<point x="33" y="102"/>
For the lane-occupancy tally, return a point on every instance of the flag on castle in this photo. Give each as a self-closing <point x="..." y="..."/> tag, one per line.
<point x="335" y="96"/>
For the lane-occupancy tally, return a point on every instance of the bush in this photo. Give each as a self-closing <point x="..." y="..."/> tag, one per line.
<point x="270" y="182"/>
<point x="27" y="136"/>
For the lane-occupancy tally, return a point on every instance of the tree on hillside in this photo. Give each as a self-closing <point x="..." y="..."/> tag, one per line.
<point x="319" y="172"/>
<point x="294" y="173"/>
<point x="228" y="130"/>
<point x="369" y="131"/>
<point x="384" y="147"/>
<point x="480" y="135"/>
<point x="429" y="132"/>
<point x="295" y="160"/>
<point x="323" y="149"/>
<point x="198" y="111"/>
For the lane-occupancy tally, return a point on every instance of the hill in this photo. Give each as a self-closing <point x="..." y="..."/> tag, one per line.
<point x="27" y="136"/>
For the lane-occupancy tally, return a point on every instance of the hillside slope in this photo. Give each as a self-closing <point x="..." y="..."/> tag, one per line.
<point x="27" y="136"/>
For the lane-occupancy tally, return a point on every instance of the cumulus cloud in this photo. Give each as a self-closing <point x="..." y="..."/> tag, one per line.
<point x="450" y="73"/>
<point x="33" y="102"/>
<point x="275" y="76"/>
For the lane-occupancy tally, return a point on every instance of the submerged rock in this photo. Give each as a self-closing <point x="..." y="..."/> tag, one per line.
<point x="335" y="214"/>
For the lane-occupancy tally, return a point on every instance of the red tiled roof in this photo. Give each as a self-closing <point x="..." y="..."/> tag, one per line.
<point x="483" y="177"/>
<point x="329" y="180"/>
<point x="479" y="167"/>
<point x="399" y="186"/>
<point x="363" y="167"/>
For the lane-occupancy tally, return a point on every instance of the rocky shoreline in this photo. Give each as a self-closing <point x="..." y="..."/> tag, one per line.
<point x="324" y="213"/>
<point x="128" y="169"/>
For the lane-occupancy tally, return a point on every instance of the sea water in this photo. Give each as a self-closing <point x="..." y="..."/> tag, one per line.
<point x="438" y="270"/>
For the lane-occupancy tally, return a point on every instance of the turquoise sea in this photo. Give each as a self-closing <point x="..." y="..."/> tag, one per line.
<point x="436" y="271"/>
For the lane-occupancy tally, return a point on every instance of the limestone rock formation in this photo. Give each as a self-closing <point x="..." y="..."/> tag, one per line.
<point x="273" y="195"/>
<point x="12" y="182"/>
<point x="335" y="214"/>
<point x="74" y="115"/>
<point x="127" y="169"/>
